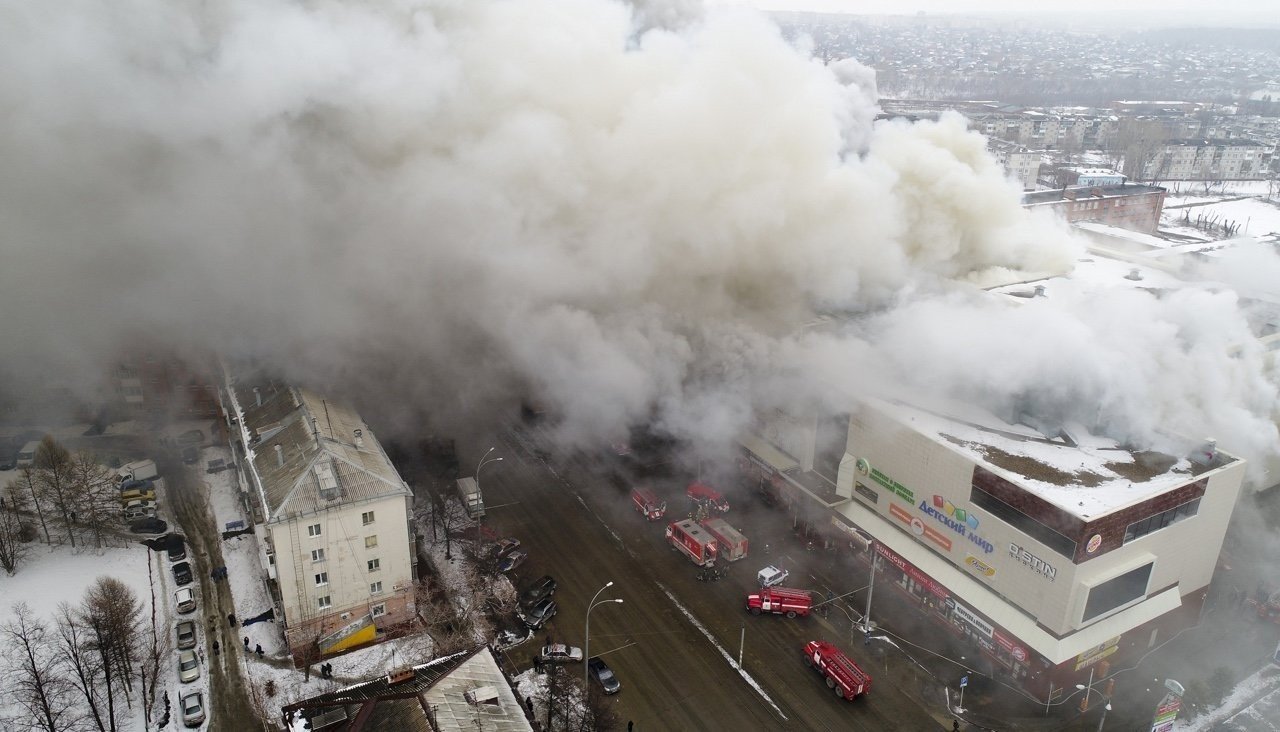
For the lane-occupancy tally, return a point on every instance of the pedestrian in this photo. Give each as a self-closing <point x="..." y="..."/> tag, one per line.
<point x="200" y="652"/>
<point x="246" y="643"/>
<point x="231" y="619"/>
<point x="630" y="724"/>
<point x="257" y="648"/>
<point x="528" y="704"/>
<point x="215" y="648"/>
<point x="955" y="725"/>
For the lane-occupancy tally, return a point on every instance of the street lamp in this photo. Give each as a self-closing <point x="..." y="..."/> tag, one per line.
<point x="484" y="460"/>
<point x="586" y="651"/>
<point x="1089" y="690"/>
<point x="871" y="588"/>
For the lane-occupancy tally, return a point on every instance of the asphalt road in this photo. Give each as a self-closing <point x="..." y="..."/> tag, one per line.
<point x="673" y="676"/>
<point x="229" y="706"/>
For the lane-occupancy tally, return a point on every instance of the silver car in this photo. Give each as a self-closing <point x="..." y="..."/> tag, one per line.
<point x="186" y="635"/>
<point x="188" y="667"/>
<point x="192" y="706"/>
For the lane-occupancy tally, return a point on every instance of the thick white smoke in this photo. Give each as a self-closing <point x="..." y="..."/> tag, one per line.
<point x="450" y="203"/>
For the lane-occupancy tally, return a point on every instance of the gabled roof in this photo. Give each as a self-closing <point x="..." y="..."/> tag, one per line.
<point x="309" y="453"/>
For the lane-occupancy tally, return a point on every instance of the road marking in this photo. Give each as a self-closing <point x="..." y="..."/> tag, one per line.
<point x="733" y="664"/>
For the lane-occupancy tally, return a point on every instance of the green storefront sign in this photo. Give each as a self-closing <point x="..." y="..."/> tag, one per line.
<point x="890" y="484"/>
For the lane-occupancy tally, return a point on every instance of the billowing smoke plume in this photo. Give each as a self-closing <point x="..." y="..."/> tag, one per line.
<point x="453" y="204"/>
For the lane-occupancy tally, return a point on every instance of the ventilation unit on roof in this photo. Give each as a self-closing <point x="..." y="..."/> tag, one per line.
<point x="482" y="695"/>
<point x="329" y="489"/>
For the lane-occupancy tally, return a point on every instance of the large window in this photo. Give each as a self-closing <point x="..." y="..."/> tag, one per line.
<point x="317" y="555"/>
<point x="1117" y="591"/>
<point x="324" y="603"/>
<point x="1139" y="529"/>
<point x="1022" y="522"/>
<point x="366" y="518"/>
<point x="313" y="530"/>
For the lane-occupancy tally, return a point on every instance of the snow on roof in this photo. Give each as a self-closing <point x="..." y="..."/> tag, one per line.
<point x="1083" y="474"/>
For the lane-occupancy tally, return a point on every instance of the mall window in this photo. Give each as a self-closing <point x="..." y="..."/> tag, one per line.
<point x="1139" y="529"/>
<point x="1022" y="522"/>
<point x="1118" y="591"/>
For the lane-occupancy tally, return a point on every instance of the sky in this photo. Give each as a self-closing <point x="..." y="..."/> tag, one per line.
<point x="1179" y="11"/>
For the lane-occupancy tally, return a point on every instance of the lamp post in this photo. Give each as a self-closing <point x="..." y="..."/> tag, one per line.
<point x="871" y="588"/>
<point x="586" y="650"/>
<point x="484" y="460"/>
<point x="1089" y="690"/>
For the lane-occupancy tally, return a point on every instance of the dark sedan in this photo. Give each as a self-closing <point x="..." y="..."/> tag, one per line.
<point x="182" y="573"/>
<point x="541" y="589"/>
<point x="603" y="675"/>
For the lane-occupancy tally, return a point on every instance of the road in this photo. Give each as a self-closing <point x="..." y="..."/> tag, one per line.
<point x="229" y="706"/>
<point x="673" y="676"/>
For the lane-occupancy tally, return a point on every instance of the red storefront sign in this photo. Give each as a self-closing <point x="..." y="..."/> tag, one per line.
<point x="910" y="569"/>
<point x="1010" y="646"/>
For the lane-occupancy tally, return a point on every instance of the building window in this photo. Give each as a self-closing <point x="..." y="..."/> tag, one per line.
<point x="375" y="588"/>
<point x="375" y="565"/>
<point x="317" y="555"/>
<point x="1139" y="529"/>
<point x="1022" y="522"/>
<point x="379" y="610"/>
<point x="366" y="518"/>
<point x="322" y="579"/>
<point x="313" y="530"/>
<point x="324" y="603"/>
<point x="1117" y="591"/>
<point x="370" y="541"/>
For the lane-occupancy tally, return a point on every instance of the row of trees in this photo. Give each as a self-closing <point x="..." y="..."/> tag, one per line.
<point x="61" y="497"/>
<point x="82" y="669"/>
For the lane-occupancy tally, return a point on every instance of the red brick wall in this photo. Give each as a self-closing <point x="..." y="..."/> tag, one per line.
<point x="1028" y="503"/>
<point x="1112" y="526"/>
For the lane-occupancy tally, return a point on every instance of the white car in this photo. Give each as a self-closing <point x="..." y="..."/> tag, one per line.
<point x="188" y="667"/>
<point x="559" y="653"/>
<point x="192" y="706"/>
<point x="185" y="600"/>
<point x="771" y="575"/>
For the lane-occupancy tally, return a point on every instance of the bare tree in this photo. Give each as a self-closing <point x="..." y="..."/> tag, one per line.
<point x="80" y="663"/>
<point x="95" y="497"/>
<point x="28" y="486"/>
<point x="13" y="537"/>
<point x="111" y="613"/>
<point x="55" y="480"/>
<point x="39" y="688"/>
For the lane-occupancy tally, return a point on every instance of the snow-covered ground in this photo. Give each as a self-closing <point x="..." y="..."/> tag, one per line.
<point x="1252" y="706"/>
<point x="1254" y="216"/>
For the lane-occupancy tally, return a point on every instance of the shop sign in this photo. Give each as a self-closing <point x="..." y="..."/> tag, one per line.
<point x="866" y="493"/>
<point x="1097" y="653"/>
<point x="978" y="566"/>
<point x="957" y="519"/>
<point x="1032" y="561"/>
<point x="910" y="570"/>
<point x="919" y="529"/>
<point x="1013" y="649"/>
<point x="894" y="486"/>
<point x="977" y="623"/>
<point x="1095" y="541"/>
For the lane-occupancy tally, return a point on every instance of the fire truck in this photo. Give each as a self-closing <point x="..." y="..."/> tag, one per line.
<point x="648" y="504"/>
<point x="701" y="493"/>
<point x="780" y="601"/>
<point x="843" y="675"/>
<point x="732" y="545"/>
<point x="694" y="541"/>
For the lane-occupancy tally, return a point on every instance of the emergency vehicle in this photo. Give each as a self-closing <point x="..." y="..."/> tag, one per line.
<point x="732" y="545"/>
<point x="842" y="674"/>
<point x="704" y="494"/>
<point x="648" y="504"/>
<point x="694" y="541"/>
<point x="780" y="601"/>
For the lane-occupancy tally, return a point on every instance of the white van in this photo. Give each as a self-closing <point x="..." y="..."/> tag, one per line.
<point x="27" y="455"/>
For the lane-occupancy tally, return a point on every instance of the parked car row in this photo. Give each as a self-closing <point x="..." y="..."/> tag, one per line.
<point x="537" y="606"/>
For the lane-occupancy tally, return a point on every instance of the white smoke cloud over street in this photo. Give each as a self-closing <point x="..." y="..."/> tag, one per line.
<point x="445" y="205"/>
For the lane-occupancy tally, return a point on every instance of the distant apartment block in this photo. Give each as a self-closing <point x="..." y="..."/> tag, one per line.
<point x="151" y="383"/>
<point x="1208" y="159"/>
<point x="333" y="511"/>
<point x="1021" y="164"/>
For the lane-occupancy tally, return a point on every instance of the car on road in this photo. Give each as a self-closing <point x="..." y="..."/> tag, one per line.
<point x="542" y="588"/>
<point x="185" y="599"/>
<point x="603" y="675"/>
<point x="177" y="549"/>
<point x="186" y="631"/>
<point x="538" y="615"/>
<point x="182" y="573"/>
<point x="771" y="575"/>
<point x="192" y="706"/>
<point x="559" y="653"/>
<point x="148" y="525"/>
<point x="8" y="463"/>
<point x="188" y="667"/>
<point x="512" y="560"/>
<point x="190" y="454"/>
<point x="504" y="547"/>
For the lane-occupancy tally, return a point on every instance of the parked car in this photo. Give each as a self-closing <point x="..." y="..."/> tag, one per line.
<point x="504" y="547"/>
<point x="188" y="667"/>
<point x="190" y="454"/>
<point x="771" y="575"/>
<point x="185" y="600"/>
<point x="186" y="635"/>
<point x="542" y="588"/>
<point x="559" y="653"/>
<point x="177" y="549"/>
<point x="139" y="512"/>
<point x="148" y="525"/>
<point x="192" y="706"/>
<point x="512" y="560"/>
<point x="603" y="675"/>
<point x="538" y="615"/>
<point x="137" y="490"/>
<point x="182" y="573"/>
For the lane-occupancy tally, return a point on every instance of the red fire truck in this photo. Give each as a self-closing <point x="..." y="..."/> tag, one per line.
<point x="694" y="541"/>
<point x="703" y="493"/>
<point x="843" y="675"/>
<point x="648" y="504"/>
<point x="780" y="601"/>
<point x="732" y="545"/>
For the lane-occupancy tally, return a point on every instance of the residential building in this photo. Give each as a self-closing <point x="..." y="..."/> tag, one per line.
<point x="1130" y="206"/>
<point x="333" y="511"/>
<point x="1021" y="164"/>
<point x="1209" y="159"/>
<point x="154" y="383"/>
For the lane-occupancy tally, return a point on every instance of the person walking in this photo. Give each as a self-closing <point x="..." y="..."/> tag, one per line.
<point x="257" y="648"/>
<point x="246" y="643"/>
<point x="231" y="619"/>
<point x="215" y="648"/>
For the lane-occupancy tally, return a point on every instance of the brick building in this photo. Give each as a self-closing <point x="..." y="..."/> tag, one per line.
<point x="1129" y="206"/>
<point x="152" y="383"/>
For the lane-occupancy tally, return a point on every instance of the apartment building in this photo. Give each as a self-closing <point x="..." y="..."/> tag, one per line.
<point x="334" y="513"/>
<point x="1209" y="159"/>
<point x="154" y="383"/>
<point x="1129" y="206"/>
<point x="1021" y="164"/>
